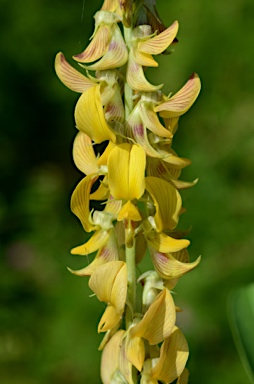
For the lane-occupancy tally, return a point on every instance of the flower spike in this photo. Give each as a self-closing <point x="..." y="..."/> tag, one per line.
<point x="129" y="197"/>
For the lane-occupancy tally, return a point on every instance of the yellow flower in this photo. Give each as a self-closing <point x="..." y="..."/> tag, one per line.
<point x="170" y="365"/>
<point x="109" y="283"/>
<point x="107" y="44"/>
<point x="126" y="178"/>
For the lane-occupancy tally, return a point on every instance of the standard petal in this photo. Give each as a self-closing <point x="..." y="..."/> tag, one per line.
<point x="173" y="357"/>
<point x="90" y="118"/>
<point x="80" y="201"/>
<point x="163" y="243"/>
<point x="83" y="154"/>
<point x="70" y="77"/>
<point x="169" y="267"/>
<point x="159" y="43"/>
<point x="167" y="201"/>
<point x="126" y="169"/>
<point x="158" y="321"/>
<point x="136" y="78"/>
<point x="97" y="241"/>
<point x="182" y="100"/>
<point x="116" y="54"/>
<point x="98" y="46"/>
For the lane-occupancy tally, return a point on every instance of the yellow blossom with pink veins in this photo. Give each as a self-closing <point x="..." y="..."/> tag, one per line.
<point x="128" y="199"/>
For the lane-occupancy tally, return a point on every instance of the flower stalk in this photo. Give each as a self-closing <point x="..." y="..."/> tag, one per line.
<point x="136" y="182"/>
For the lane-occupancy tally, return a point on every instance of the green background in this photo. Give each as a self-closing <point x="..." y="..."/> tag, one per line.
<point x="47" y="320"/>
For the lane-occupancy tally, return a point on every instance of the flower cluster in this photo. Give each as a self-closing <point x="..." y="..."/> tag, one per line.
<point x="135" y="181"/>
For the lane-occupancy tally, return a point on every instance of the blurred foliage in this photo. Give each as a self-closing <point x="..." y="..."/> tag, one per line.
<point x="47" y="320"/>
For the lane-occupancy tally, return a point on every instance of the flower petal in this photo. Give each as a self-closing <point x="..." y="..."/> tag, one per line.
<point x="129" y="211"/>
<point x="97" y="241"/>
<point x="103" y="284"/>
<point x="70" y="77"/>
<point x="126" y="169"/>
<point x="90" y="118"/>
<point x="116" y="54"/>
<point x="108" y="252"/>
<point x="163" y="243"/>
<point x="168" y="267"/>
<point x="83" y="154"/>
<point x="159" y="43"/>
<point x="151" y="120"/>
<point x="167" y="201"/>
<point x="158" y="321"/>
<point x="80" y="201"/>
<point x="97" y="47"/>
<point x="182" y="100"/>
<point x="173" y="357"/>
<point x="109" y="319"/>
<point x="110" y="357"/>
<point x="135" y="351"/>
<point x="136" y="78"/>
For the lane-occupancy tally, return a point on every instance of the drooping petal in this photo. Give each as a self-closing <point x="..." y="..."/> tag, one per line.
<point x="169" y="267"/>
<point x="103" y="159"/>
<point x="167" y="201"/>
<point x="90" y="118"/>
<point x="159" y="43"/>
<point x="136" y="78"/>
<point x="126" y="168"/>
<point x="173" y="357"/>
<point x="180" y="184"/>
<point x="158" y="321"/>
<point x="109" y="283"/>
<point x="135" y="351"/>
<point x="116" y="54"/>
<point x="109" y="319"/>
<point x="110" y="357"/>
<point x="101" y="192"/>
<point x="97" y="47"/>
<point x="144" y="59"/>
<point x="151" y="120"/>
<point x="70" y="77"/>
<point x="108" y="252"/>
<point x="182" y="100"/>
<point x="163" y="243"/>
<point x="80" y="201"/>
<point x="97" y="241"/>
<point x="125" y="366"/>
<point x="83" y="154"/>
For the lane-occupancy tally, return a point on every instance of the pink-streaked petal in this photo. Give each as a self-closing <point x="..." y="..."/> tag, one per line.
<point x="159" y="168"/>
<point x="70" y="77"/>
<point x="182" y="100"/>
<point x="98" y="46"/>
<point x="159" y="43"/>
<point x="116" y="54"/>
<point x="114" y="109"/>
<point x="144" y="59"/>
<point x="168" y="267"/>
<point x="83" y="154"/>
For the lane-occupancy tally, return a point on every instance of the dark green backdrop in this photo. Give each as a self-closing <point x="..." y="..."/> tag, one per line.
<point x="47" y="320"/>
